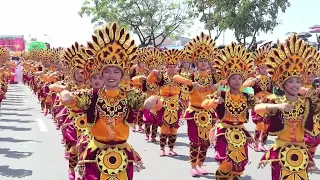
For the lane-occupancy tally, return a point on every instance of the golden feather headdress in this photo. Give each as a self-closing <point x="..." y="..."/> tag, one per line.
<point x="288" y="60"/>
<point x="75" y="59"/>
<point x="112" y="46"/>
<point x="312" y="65"/>
<point x="141" y="55"/>
<point x="172" y="56"/>
<point x="261" y="55"/>
<point x="201" y="47"/>
<point x="4" y="55"/>
<point x="154" y="58"/>
<point x="234" y="59"/>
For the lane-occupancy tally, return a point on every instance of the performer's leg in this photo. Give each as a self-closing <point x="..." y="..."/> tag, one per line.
<point x="163" y="139"/>
<point x="172" y="141"/>
<point x="204" y="146"/>
<point x="147" y="129"/>
<point x="154" y="132"/>
<point x="224" y="171"/>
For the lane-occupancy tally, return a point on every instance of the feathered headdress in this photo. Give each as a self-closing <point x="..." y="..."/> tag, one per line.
<point x="75" y="58"/>
<point x="154" y="58"/>
<point x="4" y="55"/>
<point x="234" y="59"/>
<point x="141" y="55"/>
<point x="288" y="60"/>
<point x="312" y="65"/>
<point x="172" y="56"/>
<point x="201" y="47"/>
<point x="261" y="55"/>
<point x="112" y="46"/>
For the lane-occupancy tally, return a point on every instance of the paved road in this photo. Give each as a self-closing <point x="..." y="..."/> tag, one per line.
<point x="30" y="147"/>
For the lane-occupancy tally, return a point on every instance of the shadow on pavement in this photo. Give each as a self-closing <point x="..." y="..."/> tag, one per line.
<point x="183" y="135"/>
<point x="15" y="109"/>
<point x="182" y="157"/>
<point x="16" y="120"/>
<point x="317" y="156"/>
<point x="13" y="140"/>
<point x="14" y="154"/>
<point x="14" y="128"/>
<point x="14" y="114"/>
<point x="5" y="171"/>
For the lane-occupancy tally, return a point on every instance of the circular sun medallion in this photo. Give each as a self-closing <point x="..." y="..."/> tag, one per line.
<point x="171" y="105"/>
<point x="294" y="158"/>
<point x="235" y="137"/>
<point x="80" y="122"/>
<point x="112" y="161"/>
<point x="203" y="118"/>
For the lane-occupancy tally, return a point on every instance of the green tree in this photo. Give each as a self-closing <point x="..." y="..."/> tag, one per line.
<point x="148" y="19"/>
<point x="247" y="18"/>
<point x="36" y="45"/>
<point x="204" y="10"/>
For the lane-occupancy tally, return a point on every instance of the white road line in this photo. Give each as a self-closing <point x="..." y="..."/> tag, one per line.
<point x="41" y="125"/>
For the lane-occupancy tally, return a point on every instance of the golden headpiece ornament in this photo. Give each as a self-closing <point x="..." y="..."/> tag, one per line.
<point x="74" y="58"/>
<point x="288" y="60"/>
<point x="201" y="47"/>
<point x="48" y="55"/>
<point x="154" y="58"/>
<point x="261" y="55"/>
<point x="4" y="55"/>
<point x="312" y="65"/>
<point x="234" y="59"/>
<point x="112" y="46"/>
<point x="172" y="56"/>
<point x="141" y="55"/>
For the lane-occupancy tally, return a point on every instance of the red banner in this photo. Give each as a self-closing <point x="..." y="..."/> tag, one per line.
<point x="12" y="43"/>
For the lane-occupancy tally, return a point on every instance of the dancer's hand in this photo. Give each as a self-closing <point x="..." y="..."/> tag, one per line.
<point x="196" y="85"/>
<point x="220" y="100"/>
<point x="66" y="97"/>
<point x="285" y="107"/>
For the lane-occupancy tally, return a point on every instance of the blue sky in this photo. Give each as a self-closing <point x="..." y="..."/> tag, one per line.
<point x="57" y="21"/>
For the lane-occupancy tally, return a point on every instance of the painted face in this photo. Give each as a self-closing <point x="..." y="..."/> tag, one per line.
<point x="142" y="65"/>
<point x="235" y="81"/>
<point x="112" y="76"/>
<point x="203" y="65"/>
<point x="171" y="69"/>
<point x="96" y="81"/>
<point x="292" y="85"/>
<point x="310" y="78"/>
<point x="263" y="70"/>
<point x="185" y="65"/>
<point x="79" y="76"/>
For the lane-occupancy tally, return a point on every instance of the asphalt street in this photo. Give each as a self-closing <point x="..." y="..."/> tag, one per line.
<point x="30" y="147"/>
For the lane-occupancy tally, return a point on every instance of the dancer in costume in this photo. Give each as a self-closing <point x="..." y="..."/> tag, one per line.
<point x="262" y="86"/>
<point x="154" y="60"/>
<point x="74" y="116"/>
<point x="233" y="64"/>
<point x="185" y="72"/>
<point x="168" y="116"/>
<point x="139" y="70"/>
<point x="110" y="112"/>
<point x="4" y="72"/>
<point x="312" y="70"/>
<point x="291" y="115"/>
<point x="202" y="83"/>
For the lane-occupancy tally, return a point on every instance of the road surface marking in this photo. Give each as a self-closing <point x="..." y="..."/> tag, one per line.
<point x="41" y="125"/>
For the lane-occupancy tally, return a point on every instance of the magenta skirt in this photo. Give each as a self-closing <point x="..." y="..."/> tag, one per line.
<point x="91" y="171"/>
<point x="221" y="150"/>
